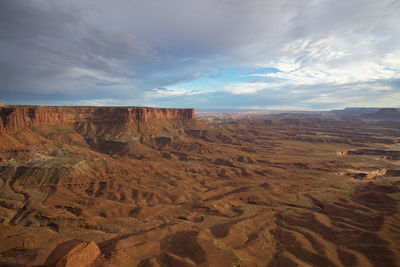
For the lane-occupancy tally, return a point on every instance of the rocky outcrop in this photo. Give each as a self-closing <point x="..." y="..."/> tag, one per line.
<point x="73" y="253"/>
<point x="14" y="118"/>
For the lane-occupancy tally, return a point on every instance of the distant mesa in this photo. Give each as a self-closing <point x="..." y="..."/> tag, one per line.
<point x="388" y="111"/>
<point x="372" y="113"/>
<point x="385" y="113"/>
<point x="355" y="111"/>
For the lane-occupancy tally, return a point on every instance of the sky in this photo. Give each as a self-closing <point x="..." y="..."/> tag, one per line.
<point x="206" y="54"/>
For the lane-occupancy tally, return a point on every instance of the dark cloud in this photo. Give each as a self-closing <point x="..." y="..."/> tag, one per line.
<point x="48" y="47"/>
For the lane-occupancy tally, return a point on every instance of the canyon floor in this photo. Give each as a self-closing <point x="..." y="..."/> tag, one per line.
<point x="277" y="190"/>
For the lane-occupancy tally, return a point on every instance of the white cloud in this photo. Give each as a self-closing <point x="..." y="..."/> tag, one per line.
<point x="246" y="88"/>
<point x="175" y="91"/>
<point x="98" y="102"/>
<point x="329" y="61"/>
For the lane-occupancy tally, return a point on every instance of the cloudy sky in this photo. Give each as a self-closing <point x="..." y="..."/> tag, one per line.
<point x="206" y="54"/>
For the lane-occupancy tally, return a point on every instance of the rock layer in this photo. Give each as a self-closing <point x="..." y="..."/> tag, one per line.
<point x="14" y="118"/>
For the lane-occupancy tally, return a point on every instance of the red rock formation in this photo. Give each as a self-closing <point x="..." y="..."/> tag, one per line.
<point x="14" y="118"/>
<point x="73" y="253"/>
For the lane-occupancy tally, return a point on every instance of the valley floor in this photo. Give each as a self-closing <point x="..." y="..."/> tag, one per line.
<point x="266" y="192"/>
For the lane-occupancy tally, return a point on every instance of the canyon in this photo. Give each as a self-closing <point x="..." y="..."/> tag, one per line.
<point x="162" y="187"/>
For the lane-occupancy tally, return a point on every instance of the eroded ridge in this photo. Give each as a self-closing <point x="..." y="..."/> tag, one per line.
<point x="272" y="191"/>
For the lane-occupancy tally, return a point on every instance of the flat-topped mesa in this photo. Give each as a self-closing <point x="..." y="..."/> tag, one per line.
<point x="14" y="118"/>
<point x="144" y="114"/>
<point x="124" y="114"/>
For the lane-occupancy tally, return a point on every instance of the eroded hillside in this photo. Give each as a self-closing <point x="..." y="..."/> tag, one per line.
<point x="156" y="187"/>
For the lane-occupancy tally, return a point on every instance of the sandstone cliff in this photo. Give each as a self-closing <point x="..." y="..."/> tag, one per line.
<point x="14" y="118"/>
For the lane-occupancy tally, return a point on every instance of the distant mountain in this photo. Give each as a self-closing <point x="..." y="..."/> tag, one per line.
<point x="354" y="111"/>
<point x="366" y="112"/>
<point x="384" y="113"/>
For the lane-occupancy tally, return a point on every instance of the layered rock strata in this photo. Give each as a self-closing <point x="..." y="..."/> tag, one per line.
<point x="14" y="118"/>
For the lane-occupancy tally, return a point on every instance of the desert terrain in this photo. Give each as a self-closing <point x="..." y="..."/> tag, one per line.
<point x="160" y="187"/>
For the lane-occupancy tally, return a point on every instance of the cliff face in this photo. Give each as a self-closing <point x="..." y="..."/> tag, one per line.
<point x="16" y="118"/>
